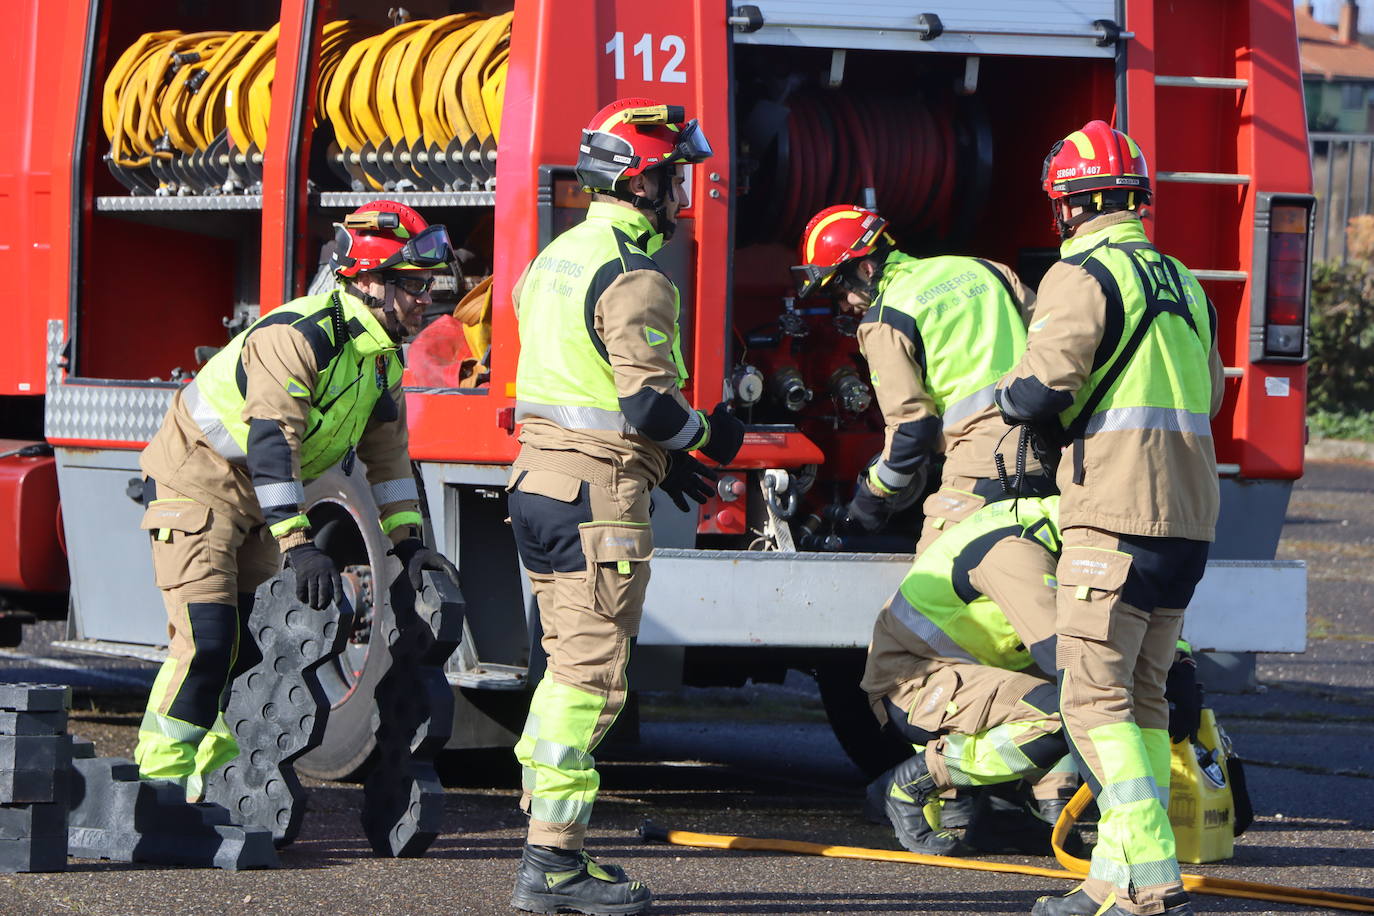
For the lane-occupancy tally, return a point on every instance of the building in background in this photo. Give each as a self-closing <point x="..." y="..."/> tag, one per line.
<point x="1337" y="71"/>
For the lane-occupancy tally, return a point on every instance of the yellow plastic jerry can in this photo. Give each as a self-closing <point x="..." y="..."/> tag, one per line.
<point x="1200" y="805"/>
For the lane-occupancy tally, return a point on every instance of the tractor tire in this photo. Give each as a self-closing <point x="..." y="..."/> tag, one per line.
<point x="872" y="749"/>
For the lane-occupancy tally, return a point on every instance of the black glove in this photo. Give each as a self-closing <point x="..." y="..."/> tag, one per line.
<point x="318" y="583"/>
<point x="1185" y="699"/>
<point x="727" y="435"/>
<point x="867" y="510"/>
<point x="415" y="557"/>
<point x="687" y="479"/>
<point x="1046" y="444"/>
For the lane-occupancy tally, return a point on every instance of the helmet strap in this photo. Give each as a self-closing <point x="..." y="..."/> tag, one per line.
<point x="656" y="205"/>
<point x="392" y="325"/>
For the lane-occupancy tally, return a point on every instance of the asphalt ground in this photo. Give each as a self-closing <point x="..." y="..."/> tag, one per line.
<point x="762" y="762"/>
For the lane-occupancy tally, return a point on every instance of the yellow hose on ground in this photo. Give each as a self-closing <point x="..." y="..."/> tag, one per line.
<point x="1197" y="884"/>
<point x="1201" y="884"/>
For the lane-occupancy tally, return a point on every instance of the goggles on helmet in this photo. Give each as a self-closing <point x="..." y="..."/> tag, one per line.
<point x="426" y="251"/>
<point x="692" y="145"/>
<point x="618" y="153"/>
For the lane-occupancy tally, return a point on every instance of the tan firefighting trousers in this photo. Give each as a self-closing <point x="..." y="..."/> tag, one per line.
<point x="585" y="545"/>
<point x="207" y="563"/>
<point x="1114" y="659"/>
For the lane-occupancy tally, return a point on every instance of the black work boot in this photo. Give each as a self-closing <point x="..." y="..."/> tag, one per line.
<point x="1079" y="903"/>
<point x="551" y="880"/>
<point x="1005" y="823"/>
<point x="904" y="797"/>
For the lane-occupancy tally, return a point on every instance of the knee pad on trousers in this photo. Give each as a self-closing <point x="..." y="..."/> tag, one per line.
<point x="897" y="720"/>
<point x="213" y="630"/>
<point x="248" y="652"/>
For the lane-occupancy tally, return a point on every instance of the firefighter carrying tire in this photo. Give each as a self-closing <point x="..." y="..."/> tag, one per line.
<point x="308" y="387"/>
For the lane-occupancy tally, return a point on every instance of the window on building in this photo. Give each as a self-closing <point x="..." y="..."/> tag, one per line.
<point x="1353" y="95"/>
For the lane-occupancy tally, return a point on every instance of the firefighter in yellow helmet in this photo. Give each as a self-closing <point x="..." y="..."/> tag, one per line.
<point x="937" y="333"/>
<point x="1121" y="365"/>
<point x="307" y="386"/>
<point x="597" y="389"/>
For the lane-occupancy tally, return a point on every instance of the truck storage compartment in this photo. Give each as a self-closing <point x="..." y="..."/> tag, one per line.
<point x="948" y="149"/>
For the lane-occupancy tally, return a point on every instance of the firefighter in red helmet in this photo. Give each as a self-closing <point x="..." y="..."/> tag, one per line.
<point x="938" y="333"/>
<point x="302" y="389"/>
<point x="598" y="391"/>
<point x="1121" y="366"/>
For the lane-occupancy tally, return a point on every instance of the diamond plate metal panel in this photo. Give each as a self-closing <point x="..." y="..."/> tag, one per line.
<point x="92" y="411"/>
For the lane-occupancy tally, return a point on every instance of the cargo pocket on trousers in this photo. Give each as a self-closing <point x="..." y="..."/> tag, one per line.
<point x="948" y="507"/>
<point x="617" y="568"/>
<point x="178" y="557"/>
<point x="552" y="484"/>
<point x="1090" y="582"/>
<point x="935" y="703"/>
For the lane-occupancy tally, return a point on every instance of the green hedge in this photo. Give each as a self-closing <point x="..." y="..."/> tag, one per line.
<point x="1340" y="376"/>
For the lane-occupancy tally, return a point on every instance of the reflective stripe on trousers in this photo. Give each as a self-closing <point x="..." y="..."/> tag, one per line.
<point x="991" y="756"/>
<point x="1170" y="419"/>
<point x="1135" y="846"/>
<point x="211" y="425"/>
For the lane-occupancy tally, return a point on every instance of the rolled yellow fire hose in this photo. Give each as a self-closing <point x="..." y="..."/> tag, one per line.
<point x="1078" y="868"/>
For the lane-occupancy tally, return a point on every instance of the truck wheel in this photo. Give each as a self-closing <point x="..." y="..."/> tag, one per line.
<point x="342" y="513"/>
<point x="871" y="748"/>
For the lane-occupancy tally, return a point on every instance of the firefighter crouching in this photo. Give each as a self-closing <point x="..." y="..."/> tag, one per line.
<point x="305" y="387"/>
<point x="597" y="389"/>
<point x="1121" y="365"/>
<point x="938" y="333"/>
<point x="961" y="666"/>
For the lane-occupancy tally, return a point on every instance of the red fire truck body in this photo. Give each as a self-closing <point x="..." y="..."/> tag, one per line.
<point x="940" y="117"/>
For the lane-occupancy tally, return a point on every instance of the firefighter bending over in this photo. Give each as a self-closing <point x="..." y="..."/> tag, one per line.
<point x="961" y="666"/>
<point x="307" y="386"/>
<point x="597" y="389"/>
<point x="937" y="333"/>
<point x="1121" y="365"/>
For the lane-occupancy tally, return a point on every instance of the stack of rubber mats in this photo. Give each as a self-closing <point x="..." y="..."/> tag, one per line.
<point x="413" y="107"/>
<point x="117" y="816"/>
<point x="35" y="763"/>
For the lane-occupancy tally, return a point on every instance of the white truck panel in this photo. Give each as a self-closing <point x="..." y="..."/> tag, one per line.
<point x="1040" y="28"/>
<point x="734" y="598"/>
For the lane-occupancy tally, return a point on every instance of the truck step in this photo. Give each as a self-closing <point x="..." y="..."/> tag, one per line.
<point x="484" y="676"/>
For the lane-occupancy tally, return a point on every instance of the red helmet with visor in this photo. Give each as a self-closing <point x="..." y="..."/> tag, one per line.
<point x="835" y="235"/>
<point x="385" y="235"/>
<point x="630" y="136"/>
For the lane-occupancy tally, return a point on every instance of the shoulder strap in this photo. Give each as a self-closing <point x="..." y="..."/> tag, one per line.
<point x="1001" y="278"/>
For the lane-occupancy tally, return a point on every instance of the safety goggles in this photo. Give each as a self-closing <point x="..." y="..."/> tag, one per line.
<point x="414" y="286"/>
<point x="691" y="146"/>
<point x="426" y="251"/>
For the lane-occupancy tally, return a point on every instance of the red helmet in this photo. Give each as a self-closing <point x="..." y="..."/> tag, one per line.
<point x="835" y="235"/>
<point x="1096" y="158"/>
<point x="630" y="136"/>
<point x="385" y="235"/>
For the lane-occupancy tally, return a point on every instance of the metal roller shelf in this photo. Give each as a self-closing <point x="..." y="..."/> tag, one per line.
<point x="139" y="204"/>
<point x="327" y="199"/>
<point x="345" y="199"/>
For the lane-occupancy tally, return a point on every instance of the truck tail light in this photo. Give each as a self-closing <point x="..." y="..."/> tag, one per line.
<point x="1283" y="261"/>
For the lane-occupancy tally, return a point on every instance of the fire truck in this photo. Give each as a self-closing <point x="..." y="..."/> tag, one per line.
<point x="173" y="170"/>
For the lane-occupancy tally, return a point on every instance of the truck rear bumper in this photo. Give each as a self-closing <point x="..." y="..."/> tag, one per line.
<point x="748" y="598"/>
